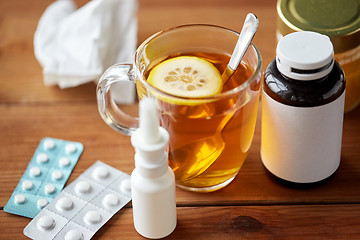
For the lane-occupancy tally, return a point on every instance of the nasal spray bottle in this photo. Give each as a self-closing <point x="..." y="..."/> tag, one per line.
<point x="152" y="181"/>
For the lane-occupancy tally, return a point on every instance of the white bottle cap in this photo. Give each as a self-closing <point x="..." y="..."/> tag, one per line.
<point x="305" y="55"/>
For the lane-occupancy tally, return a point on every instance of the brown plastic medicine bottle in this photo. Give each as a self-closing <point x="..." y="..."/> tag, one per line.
<point x="302" y="109"/>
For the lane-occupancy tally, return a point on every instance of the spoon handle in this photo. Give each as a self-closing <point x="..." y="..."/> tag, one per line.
<point x="247" y="33"/>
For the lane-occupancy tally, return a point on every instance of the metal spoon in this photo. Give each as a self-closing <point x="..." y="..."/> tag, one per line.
<point x="247" y="33"/>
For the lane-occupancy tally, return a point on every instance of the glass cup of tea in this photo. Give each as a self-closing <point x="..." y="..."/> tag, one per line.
<point x="209" y="136"/>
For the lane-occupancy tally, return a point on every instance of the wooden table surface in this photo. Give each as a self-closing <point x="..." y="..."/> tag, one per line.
<point x="253" y="206"/>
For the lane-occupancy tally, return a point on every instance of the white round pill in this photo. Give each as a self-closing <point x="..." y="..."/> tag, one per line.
<point x="19" y="199"/>
<point x="42" y="158"/>
<point x="49" y="144"/>
<point x="64" y="204"/>
<point x="70" y="148"/>
<point x="49" y="188"/>
<point x="92" y="217"/>
<point x="83" y="187"/>
<point x="35" y="171"/>
<point x="100" y="173"/>
<point x="27" y="185"/>
<point x="110" y="200"/>
<point x="64" y="161"/>
<point x="74" y="234"/>
<point x="42" y="202"/>
<point x="57" y="175"/>
<point x="46" y="223"/>
<point x="125" y="186"/>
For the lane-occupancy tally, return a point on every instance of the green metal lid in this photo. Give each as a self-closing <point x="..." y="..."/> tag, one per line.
<point x="339" y="19"/>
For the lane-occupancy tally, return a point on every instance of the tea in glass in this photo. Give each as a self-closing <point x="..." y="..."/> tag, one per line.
<point x="209" y="139"/>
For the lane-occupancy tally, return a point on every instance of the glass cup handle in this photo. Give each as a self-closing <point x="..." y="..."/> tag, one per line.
<point x="109" y="111"/>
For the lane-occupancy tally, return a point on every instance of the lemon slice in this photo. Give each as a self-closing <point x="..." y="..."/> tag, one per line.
<point x="186" y="76"/>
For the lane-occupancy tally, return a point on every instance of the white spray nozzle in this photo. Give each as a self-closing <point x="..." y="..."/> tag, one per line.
<point x="149" y="140"/>
<point x="149" y="121"/>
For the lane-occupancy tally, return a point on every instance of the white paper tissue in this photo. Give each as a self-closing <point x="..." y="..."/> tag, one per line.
<point x="75" y="46"/>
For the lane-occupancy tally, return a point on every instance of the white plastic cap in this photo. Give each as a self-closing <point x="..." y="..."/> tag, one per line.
<point x="305" y="55"/>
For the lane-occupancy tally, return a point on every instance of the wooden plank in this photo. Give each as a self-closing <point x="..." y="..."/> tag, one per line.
<point x="23" y="125"/>
<point x="233" y="222"/>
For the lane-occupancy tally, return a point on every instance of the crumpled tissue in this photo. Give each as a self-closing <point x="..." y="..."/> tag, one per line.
<point x="75" y="46"/>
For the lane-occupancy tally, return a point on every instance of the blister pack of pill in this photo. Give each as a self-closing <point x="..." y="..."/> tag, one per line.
<point x="44" y="177"/>
<point x="84" y="206"/>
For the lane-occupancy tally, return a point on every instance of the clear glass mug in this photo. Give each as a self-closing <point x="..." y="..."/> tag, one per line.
<point x="209" y="137"/>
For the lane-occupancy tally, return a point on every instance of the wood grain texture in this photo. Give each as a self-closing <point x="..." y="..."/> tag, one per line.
<point x="233" y="222"/>
<point x="25" y="124"/>
<point x="254" y="206"/>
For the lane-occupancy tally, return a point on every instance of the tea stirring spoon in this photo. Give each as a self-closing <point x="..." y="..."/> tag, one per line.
<point x="211" y="147"/>
<point x="247" y="33"/>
